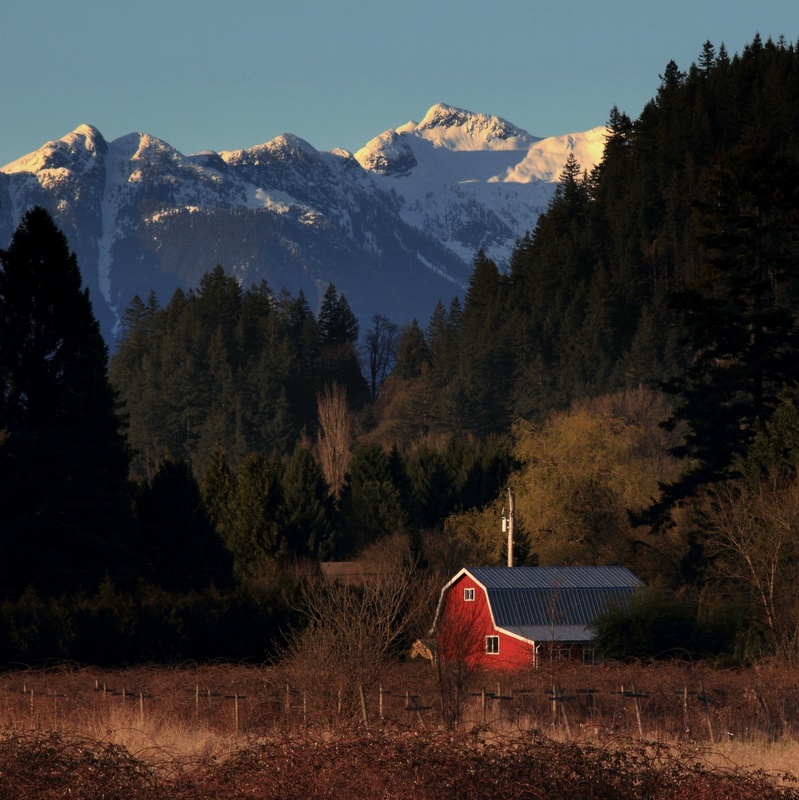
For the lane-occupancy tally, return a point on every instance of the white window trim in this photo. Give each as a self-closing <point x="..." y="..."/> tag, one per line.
<point x="492" y="650"/>
<point x="468" y="594"/>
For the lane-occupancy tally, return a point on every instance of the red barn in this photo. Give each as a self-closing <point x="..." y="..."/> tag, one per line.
<point x="511" y="617"/>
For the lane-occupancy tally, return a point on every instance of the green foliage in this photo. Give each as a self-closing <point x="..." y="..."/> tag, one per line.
<point x="338" y="331"/>
<point x="581" y="473"/>
<point x="371" y="502"/>
<point x="413" y="354"/>
<point x="775" y="444"/>
<point x="612" y="244"/>
<point x="308" y="514"/>
<point x="251" y="529"/>
<point x="482" y="384"/>
<point x="659" y="624"/>
<point x="222" y="367"/>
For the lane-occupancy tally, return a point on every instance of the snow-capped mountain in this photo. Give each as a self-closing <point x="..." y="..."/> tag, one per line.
<point x="395" y="226"/>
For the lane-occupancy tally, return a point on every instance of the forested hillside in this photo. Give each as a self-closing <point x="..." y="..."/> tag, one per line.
<point x="631" y="375"/>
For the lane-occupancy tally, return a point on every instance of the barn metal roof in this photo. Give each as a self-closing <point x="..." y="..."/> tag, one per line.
<point x="560" y="633"/>
<point x="554" y="603"/>
<point x="554" y="577"/>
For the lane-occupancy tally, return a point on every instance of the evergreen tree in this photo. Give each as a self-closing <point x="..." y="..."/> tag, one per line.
<point x="181" y="549"/>
<point x="338" y="332"/>
<point x="740" y="313"/>
<point x="337" y="324"/>
<point x="407" y="402"/>
<point x="253" y="535"/>
<point x="307" y="511"/>
<point x="65" y="518"/>
<point x="298" y="359"/>
<point x="372" y="504"/>
<point x="444" y="333"/>
<point x="217" y="488"/>
<point x="131" y="375"/>
<point x="413" y="354"/>
<point x="219" y="297"/>
<point x="433" y="489"/>
<point x="484" y="381"/>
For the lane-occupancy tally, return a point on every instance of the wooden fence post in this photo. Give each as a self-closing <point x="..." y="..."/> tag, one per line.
<point x="554" y="704"/>
<point x="766" y="714"/>
<point x="638" y="712"/>
<point x="499" y="702"/>
<point x="559" y="705"/>
<point x="706" y="703"/>
<point x="685" y="718"/>
<point x="363" y="706"/>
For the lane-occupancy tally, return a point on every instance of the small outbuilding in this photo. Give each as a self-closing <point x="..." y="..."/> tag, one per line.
<point x="512" y="617"/>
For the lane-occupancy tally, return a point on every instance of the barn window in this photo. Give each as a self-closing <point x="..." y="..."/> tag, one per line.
<point x="468" y="594"/>
<point x="492" y="644"/>
<point x="561" y="654"/>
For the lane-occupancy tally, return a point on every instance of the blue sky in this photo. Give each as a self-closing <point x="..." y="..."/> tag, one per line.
<point x="224" y="75"/>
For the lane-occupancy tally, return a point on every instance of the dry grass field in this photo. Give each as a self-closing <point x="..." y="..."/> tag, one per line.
<point x="228" y="731"/>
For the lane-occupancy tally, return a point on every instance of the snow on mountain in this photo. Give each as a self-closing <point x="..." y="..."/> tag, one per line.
<point x="473" y="181"/>
<point x="457" y="129"/>
<point x="395" y="226"/>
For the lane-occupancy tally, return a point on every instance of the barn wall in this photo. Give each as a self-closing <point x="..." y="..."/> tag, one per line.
<point x="463" y="626"/>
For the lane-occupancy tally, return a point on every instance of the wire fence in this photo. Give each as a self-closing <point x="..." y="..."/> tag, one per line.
<point x="712" y="707"/>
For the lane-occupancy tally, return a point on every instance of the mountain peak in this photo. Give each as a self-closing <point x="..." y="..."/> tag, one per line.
<point x="387" y="154"/>
<point x="285" y="146"/>
<point x="87" y="131"/>
<point x="459" y="129"/>
<point x="80" y="146"/>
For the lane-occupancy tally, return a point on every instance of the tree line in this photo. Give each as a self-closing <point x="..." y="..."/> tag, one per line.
<point x="631" y="374"/>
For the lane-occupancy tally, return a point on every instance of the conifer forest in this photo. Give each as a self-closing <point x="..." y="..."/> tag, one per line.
<point x="631" y="375"/>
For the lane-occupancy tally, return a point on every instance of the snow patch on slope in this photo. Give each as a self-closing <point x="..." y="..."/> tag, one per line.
<point x="544" y="161"/>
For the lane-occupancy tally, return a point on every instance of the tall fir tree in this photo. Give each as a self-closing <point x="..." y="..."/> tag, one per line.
<point x="338" y="337"/>
<point x="740" y="313"/>
<point x="65" y="502"/>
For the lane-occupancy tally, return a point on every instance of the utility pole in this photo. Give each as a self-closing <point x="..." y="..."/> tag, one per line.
<point x="509" y="524"/>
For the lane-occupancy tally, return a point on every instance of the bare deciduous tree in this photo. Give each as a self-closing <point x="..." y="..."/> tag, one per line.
<point x="334" y="440"/>
<point x="753" y="539"/>
<point x="460" y="656"/>
<point x="355" y="629"/>
<point x="381" y="350"/>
